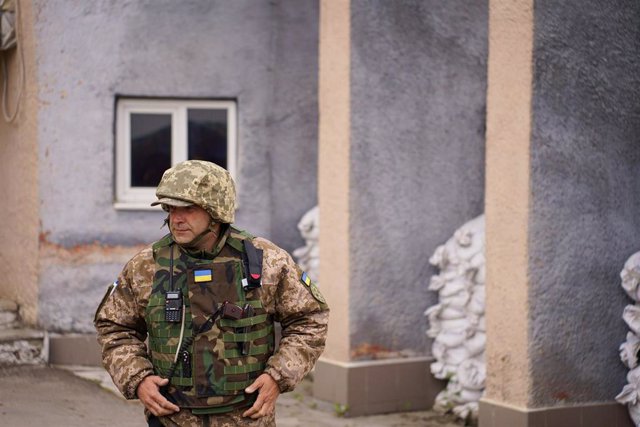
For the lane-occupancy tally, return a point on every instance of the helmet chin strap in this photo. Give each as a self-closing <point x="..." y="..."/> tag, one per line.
<point x="194" y="242"/>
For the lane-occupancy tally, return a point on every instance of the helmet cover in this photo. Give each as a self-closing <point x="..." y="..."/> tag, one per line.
<point x="200" y="183"/>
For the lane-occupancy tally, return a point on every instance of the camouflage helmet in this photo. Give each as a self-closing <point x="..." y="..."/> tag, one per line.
<point x="196" y="182"/>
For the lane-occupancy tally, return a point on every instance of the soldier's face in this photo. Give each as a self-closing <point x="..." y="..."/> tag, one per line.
<point x="188" y="222"/>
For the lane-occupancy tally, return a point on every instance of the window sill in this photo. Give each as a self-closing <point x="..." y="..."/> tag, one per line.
<point x="136" y="206"/>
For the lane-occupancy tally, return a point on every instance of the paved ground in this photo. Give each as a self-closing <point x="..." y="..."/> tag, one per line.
<point x="33" y="396"/>
<point x="41" y="396"/>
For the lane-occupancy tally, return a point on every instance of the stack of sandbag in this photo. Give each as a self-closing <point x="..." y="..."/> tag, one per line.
<point x="308" y="256"/>
<point x="457" y="322"/>
<point x="630" y="394"/>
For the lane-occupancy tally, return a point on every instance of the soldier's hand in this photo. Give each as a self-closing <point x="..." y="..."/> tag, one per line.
<point x="149" y="394"/>
<point x="268" y="392"/>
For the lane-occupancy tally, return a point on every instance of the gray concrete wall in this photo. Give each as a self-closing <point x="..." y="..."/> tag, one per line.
<point x="585" y="199"/>
<point x="264" y="54"/>
<point x="418" y="88"/>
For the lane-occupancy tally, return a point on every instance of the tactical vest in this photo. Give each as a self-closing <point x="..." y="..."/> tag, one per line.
<point x="221" y="361"/>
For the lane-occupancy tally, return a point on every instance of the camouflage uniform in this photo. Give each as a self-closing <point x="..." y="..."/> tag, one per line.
<point x="121" y="322"/>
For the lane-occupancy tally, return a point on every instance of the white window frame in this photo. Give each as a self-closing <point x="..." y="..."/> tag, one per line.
<point x="130" y="198"/>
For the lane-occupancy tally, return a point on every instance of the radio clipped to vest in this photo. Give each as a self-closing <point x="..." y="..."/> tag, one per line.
<point x="173" y="298"/>
<point x="173" y="306"/>
<point x="252" y="260"/>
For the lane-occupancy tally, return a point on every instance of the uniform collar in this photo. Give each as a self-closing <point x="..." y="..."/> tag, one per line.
<point x="222" y="240"/>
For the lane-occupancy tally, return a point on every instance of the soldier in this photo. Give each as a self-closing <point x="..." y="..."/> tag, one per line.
<point x="206" y="295"/>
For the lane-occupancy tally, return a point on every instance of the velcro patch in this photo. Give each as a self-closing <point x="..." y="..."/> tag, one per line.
<point x="316" y="293"/>
<point x="202" y="275"/>
<point x="305" y="279"/>
<point x="312" y="287"/>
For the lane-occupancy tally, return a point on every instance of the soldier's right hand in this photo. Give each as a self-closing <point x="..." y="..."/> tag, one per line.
<point x="149" y="394"/>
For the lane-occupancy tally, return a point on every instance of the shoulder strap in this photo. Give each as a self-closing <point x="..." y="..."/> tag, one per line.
<point x="164" y="242"/>
<point x="236" y="237"/>
<point x="254" y="264"/>
<point x="241" y="241"/>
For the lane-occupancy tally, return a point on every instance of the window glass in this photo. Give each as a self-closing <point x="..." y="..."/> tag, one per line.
<point x="208" y="135"/>
<point x="154" y="134"/>
<point x="150" y="148"/>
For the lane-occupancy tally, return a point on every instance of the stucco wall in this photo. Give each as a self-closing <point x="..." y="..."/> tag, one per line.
<point x="507" y="201"/>
<point x="264" y="54"/>
<point x="19" y="178"/>
<point x="585" y="195"/>
<point x="334" y="128"/>
<point x="418" y="87"/>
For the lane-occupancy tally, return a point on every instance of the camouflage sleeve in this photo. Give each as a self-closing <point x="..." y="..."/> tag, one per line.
<point x="302" y="311"/>
<point x="121" y="327"/>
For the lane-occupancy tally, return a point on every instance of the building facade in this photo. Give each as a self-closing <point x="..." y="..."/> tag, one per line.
<point x="402" y="120"/>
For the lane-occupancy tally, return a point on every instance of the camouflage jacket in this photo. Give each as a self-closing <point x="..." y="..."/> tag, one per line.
<point x="300" y="309"/>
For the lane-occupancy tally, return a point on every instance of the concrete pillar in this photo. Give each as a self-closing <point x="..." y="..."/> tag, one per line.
<point x="361" y="387"/>
<point x="333" y="185"/>
<point x="19" y="252"/>
<point x="400" y="169"/>
<point x="561" y="210"/>
<point x="507" y="199"/>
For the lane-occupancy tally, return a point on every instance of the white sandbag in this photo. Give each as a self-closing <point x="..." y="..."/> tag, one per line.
<point x="631" y="316"/>
<point x="476" y="302"/>
<point x="629" y="350"/>
<point x="451" y="339"/>
<point x="449" y="312"/>
<point x="630" y="276"/>
<point x="467" y="411"/>
<point x="630" y="279"/>
<point x="457" y="322"/>
<point x="476" y="343"/>
<point x="458" y="300"/>
<point x="308" y="256"/>
<point x="471" y="375"/>
<point x="454" y="287"/>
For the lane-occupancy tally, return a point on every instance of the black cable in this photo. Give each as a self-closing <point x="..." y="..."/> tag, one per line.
<point x="171" y="268"/>
<point x="208" y="324"/>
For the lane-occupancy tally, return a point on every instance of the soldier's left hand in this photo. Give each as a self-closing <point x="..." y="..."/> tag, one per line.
<point x="268" y="392"/>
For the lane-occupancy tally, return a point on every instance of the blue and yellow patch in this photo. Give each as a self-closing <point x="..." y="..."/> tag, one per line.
<point x="202" y="275"/>
<point x="305" y="279"/>
<point x="312" y="287"/>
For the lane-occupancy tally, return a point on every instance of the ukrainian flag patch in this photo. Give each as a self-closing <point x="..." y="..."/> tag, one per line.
<point x="305" y="279"/>
<point x="202" y="275"/>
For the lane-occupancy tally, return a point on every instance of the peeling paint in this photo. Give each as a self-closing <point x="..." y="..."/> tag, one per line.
<point x="89" y="253"/>
<point x="368" y="351"/>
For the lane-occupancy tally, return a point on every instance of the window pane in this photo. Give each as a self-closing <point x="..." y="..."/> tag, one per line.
<point x="208" y="135"/>
<point x="150" y="148"/>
